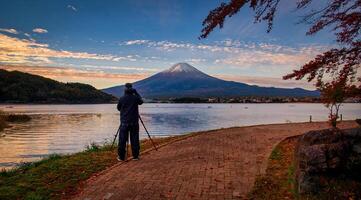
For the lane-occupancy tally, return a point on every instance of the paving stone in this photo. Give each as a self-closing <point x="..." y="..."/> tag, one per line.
<point x="219" y="164"/>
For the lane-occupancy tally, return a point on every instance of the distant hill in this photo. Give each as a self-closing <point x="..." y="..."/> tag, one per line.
<point x="184" y="80"/>
<point x="19" y="87"/>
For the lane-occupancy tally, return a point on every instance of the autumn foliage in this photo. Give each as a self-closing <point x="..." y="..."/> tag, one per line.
<point x="332" y="95"/>
<point x="333" y="70"/>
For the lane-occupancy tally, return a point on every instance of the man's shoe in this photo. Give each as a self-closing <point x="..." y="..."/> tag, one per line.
<point x="120" y="160"/>
<point x="136" y="159"/>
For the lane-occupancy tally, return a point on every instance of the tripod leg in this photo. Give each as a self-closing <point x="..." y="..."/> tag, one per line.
<point x="150" y="138"/>
<point x="115" y="137"/>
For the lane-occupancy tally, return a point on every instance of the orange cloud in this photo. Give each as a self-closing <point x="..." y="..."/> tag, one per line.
<point x="98" y="79"/>
<point x="14" y="51"/>
<point x="269" y="81"/>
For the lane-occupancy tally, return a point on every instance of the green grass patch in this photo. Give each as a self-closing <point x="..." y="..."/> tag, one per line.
<point x="291" y="181"/>
<point x="276" y="154"/>
<point x="17" y="118"/>
<point x="3" y="123"/>
<point x="5" y="119"/>
<point x="58" y="176"/>
<point x="358" y="121"/>
<point x="278" y="182"/>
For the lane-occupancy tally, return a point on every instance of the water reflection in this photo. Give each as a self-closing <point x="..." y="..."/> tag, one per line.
<point x="69" y="128"/>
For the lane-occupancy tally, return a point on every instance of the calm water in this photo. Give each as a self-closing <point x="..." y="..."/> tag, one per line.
<point x="69" y="128"/>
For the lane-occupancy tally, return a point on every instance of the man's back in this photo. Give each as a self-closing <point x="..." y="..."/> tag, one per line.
<point x="128" y="107"/>
<point x="129" y="114"/>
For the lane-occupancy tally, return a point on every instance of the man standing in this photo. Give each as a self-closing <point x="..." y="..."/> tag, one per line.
<point x="129" y="115"/>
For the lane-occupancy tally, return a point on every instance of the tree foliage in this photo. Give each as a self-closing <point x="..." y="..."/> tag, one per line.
<point x="332" y="95"/>
<point x="335" y="70"/>
<point x="337" y="65"/>
<point x="19" y="87"/>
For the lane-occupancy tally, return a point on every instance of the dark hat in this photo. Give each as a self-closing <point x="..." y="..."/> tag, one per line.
<point x="128" y="85"/>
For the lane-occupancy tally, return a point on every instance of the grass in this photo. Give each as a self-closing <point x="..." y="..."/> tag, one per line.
<point x="276" y="154"/>
<point x="6" y="118"/>
<point x="3" y="123"/>
<point x="358" y="121"/>
<point x="17" y="118"/>
<point x="279" y="180"/>
<point x="58" y="176"/>
<point x="291" y="180"/>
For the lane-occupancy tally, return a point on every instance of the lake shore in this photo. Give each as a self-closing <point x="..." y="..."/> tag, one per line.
<point x="58" y="176"/>
<point x="64" y="129"/>
<point x="240" y="152"/>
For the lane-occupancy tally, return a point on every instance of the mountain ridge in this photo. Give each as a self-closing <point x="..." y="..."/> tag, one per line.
<point x="184" y="80"/>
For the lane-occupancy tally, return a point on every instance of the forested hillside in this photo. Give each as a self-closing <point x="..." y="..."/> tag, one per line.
<point x="19" y="87"/>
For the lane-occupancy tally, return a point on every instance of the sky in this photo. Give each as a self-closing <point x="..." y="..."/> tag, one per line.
<point x="110" y="42"/>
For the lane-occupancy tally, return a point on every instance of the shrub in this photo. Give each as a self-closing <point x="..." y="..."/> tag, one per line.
<point x="358" y="121"/>
<point x="18" y="118"/>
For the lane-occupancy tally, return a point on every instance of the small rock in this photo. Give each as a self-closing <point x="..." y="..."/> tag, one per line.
<point x="357" y="148"/>
<point x="236" y="194"/>
<point x="108" y="195"/>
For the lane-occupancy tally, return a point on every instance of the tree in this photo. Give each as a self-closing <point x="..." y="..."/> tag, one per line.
<point x="333" y="69"/>
<point x="332" y="95"/>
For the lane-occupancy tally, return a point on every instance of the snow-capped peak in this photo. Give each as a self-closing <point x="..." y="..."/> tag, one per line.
<point x="181" y="67"/>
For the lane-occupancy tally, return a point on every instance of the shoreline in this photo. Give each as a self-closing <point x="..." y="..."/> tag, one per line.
<point x="173" y="138"/>
<point x="78" y="169"/>
<point x="4" y="104"/>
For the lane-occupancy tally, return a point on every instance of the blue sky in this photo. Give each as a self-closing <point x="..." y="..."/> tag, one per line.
<point x="107" y="43"/>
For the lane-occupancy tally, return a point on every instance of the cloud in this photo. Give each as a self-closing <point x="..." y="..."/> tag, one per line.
<point x="268" y="58"/>
<point x="97" y="78"/>
<point x="135" y="42"/>
<point x="226" y="46"/>
<point x="161" y="45"/>
<point x="40" y="30"/>
<point x="195" y="60"/>
<point x="63" y="71"/>
<point x="128" y="58"/>
<point x="11" y="30"/>
<point x="238" y="54"/>
<point x="261" y="58"/>
<point x="72" y="8"/>
<point x="28" y="51"/>
<point x="119" y="68"/>
<point x="268" y="81"/>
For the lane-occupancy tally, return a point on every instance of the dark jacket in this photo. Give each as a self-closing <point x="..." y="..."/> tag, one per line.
<point x="128" y="107"/>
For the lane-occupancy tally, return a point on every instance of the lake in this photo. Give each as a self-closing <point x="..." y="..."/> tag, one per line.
<point x="70" y="128"/>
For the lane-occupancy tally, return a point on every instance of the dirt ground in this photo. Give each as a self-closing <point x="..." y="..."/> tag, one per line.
<point x="220" y="164"/>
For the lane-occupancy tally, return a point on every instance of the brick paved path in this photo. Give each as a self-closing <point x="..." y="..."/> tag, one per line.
<point x="218" y="164"/>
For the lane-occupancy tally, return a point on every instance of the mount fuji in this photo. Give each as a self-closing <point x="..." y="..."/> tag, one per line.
<point x="184" y="80"/>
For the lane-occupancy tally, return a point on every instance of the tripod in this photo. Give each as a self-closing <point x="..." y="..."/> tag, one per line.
<point x="116" y="135"/>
